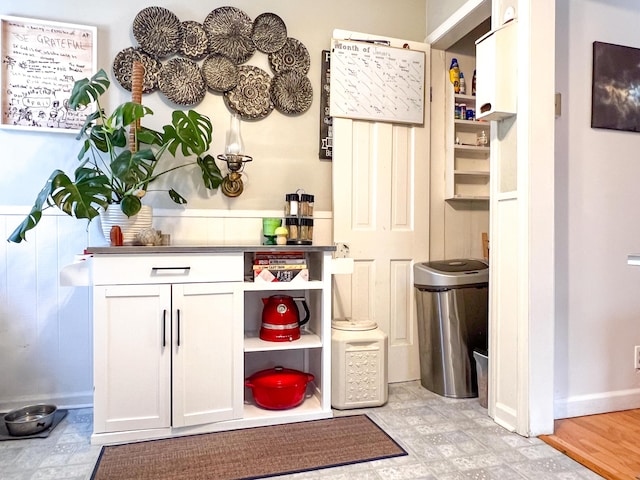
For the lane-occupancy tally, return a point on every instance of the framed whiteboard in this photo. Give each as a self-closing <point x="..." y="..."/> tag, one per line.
<point x="376" y="82"/>
<point x="41" y="61"/>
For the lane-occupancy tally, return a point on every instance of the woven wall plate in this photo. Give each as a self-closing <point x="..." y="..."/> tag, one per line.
<point x="157" y="31"/>
<point x="220" y="73"/>
<point x="291" y="92"/>
<point x="181" y="81"/>
<point x="229" y="32"/>
<point x="123" y="68"/>
<point x="250" y="98"/>
<point x="269" y="32"/>
<point x="194" y="43"/>
<point x="293" y="56"/>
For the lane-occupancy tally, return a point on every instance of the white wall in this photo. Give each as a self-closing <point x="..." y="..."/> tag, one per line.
<point x="597" y="198"/>
<point x="45" y="330"/>
<point x="285" y="148"/>
<point x="438" y="11"/>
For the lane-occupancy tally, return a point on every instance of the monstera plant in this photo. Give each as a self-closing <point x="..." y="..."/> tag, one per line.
<point x="118" y="160"/>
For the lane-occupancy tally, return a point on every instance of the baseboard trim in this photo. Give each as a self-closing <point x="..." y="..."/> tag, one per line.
<point x="75" y="400"/>
<point x="592" y="404"/>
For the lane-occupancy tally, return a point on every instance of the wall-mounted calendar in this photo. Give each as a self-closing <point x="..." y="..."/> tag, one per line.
<point x="377" y="82"/>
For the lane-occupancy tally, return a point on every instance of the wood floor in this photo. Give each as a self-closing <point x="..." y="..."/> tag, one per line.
<point x="608" y="444"/>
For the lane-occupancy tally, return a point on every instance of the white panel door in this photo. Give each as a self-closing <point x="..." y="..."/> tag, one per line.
<point x="132" y="357"/>
<point x="381" y="211"/>
<point x="207" y="353"/>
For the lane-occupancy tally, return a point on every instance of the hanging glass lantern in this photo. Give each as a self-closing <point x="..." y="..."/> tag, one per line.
<point x="234" y="156"/>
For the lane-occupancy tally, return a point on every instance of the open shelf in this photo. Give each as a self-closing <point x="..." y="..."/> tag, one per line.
<point x="253" y="343"/>
<point x="311" y="406"/>
<point x="251" y="286"/>
<point x="472" y="149"/>
<point x="310" y="353"/>
<point x="472" y="173"/>
<point x="470" y="125"/>
<point x="469" y="197"/>
<point x="467" y="164"/>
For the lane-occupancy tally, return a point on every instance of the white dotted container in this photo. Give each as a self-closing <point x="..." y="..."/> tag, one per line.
<point x="359" y="364"/>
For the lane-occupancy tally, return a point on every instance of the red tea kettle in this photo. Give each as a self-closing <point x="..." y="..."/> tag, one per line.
<point x="281" y="319"/>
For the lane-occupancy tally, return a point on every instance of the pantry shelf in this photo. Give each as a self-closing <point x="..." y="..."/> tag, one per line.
<point x="467" y="158"/>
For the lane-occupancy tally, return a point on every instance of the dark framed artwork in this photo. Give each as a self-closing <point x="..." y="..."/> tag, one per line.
<point x="615" y="97"/>
<point x="326" y="120"/>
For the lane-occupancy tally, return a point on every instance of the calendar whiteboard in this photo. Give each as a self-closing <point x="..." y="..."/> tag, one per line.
<point x="376" y="82"/>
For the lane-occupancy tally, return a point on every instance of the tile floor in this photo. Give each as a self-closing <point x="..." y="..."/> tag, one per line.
<point x="447" y="439"/>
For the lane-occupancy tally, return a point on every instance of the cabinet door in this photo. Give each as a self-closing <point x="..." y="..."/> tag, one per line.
<point x="132" y="357"/>
<point x="207" y="353"/>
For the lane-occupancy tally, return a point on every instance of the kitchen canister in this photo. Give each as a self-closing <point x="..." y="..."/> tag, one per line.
<point x="306" y="230"/>
<point x="306" y="205"/>
<point x="291" y="204"/>
<point x="293" y="226"/>
<point x="359" y="364"/>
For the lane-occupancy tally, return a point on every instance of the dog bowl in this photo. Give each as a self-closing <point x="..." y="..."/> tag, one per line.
<point x="29" y="420"/>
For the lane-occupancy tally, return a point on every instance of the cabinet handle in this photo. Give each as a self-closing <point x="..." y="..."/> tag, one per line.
<point x="178" y="317"/>
<point x="155" y="271"/>
<point x="164" y="328"/>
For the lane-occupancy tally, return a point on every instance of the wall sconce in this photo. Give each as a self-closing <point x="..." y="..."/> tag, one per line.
<point x="232" y="185"/>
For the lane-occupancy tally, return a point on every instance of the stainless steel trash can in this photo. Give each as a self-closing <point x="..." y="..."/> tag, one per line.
<point x="452" y="300"/>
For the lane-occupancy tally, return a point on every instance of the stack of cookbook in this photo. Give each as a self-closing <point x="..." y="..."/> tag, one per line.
<point x="280" y="266"/>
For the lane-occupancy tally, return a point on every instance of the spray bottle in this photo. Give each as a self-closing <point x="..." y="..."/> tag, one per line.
<point x="454" y="75"/>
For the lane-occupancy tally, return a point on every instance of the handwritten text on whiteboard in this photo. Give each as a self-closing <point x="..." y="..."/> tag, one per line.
<point x="40" y="63"/>
<point x="376" y="82"/>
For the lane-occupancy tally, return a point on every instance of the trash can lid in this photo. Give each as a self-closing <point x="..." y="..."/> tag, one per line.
<point x="353" y="325"/>
<point x="457" y="265"/>
<point x="457" y="272"/>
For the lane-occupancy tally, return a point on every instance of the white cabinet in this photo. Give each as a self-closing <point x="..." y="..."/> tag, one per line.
<point x="497" y="82"/>
<point x="467" y="162"/>
<point x="167" y="352"/>
<point x="164" y="355"/>
<point x="175" y="336"/>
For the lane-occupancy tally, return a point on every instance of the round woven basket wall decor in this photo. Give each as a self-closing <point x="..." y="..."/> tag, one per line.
<point x="291" y="92"/>
<point x="123" y="69"/>
<point x="186" y="59"/>
<point x="229" y="32"/>
<point x="194" y="43"/>
<point x="181" y="81"/>
<point x="251" y="97"/>
<point x="157" y="31"/>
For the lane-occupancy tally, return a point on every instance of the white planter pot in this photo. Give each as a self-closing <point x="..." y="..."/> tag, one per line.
<point x="130" y="226"/>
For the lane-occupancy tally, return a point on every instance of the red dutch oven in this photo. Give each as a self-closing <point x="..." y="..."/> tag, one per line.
<point x="278" y="388"/>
